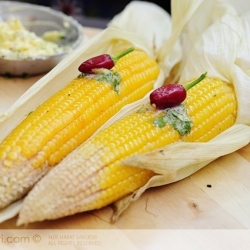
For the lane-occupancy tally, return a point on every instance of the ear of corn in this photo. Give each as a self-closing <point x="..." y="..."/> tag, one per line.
<point x="66" y="120"/>
<point x="92" y="175"/>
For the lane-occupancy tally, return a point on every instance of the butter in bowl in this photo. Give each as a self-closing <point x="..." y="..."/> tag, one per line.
<point x="34" y="39"/>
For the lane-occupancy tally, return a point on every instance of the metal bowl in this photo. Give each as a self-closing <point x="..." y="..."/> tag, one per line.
<point x="39" y="20"/>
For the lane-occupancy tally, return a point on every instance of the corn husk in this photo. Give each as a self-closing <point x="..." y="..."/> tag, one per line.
<point x="134" y="18"/>
<point x="220" y="48"/>
<point x="117" y="37"/>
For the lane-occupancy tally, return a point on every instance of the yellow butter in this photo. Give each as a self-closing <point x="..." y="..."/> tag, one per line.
<point x="18" y="42"/>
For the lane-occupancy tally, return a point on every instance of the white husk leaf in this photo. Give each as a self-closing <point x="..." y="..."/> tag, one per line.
<point x="112" y="40"/>
<point x="10" y="211"/>
<point x="135" y="18"/>
<point x="221" y="48"/>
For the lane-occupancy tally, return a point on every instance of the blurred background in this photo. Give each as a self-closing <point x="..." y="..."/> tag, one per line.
<point x="92" y="13"/>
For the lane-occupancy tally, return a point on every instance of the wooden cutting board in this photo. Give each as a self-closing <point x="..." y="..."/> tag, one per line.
<point x="216" y="197"/>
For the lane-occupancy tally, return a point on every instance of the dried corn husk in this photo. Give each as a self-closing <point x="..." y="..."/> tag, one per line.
<point x="112" y="40"/>
<point x="222" y="50"/>
<point x="159" y="24"/>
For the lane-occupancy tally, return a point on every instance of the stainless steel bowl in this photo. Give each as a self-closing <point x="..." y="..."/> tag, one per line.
<point x="39" y="20"/>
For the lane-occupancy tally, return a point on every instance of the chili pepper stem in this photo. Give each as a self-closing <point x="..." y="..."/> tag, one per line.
<point x="125" y="52"/>
<point x="191" y="84"/>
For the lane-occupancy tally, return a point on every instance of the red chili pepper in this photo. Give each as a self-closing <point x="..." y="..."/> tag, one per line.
<point x="172" y="94"/>
<point x="102" y="61"/>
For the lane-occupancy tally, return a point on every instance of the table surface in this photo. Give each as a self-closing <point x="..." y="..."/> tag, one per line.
<point x="216" y="197"/>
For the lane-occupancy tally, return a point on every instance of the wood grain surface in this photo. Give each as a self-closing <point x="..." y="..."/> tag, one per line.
<point x="216" y="197"/>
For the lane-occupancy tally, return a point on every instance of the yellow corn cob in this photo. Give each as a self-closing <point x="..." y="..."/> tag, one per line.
<point x="92" y="177"/>
<point x="67" y="119"/>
